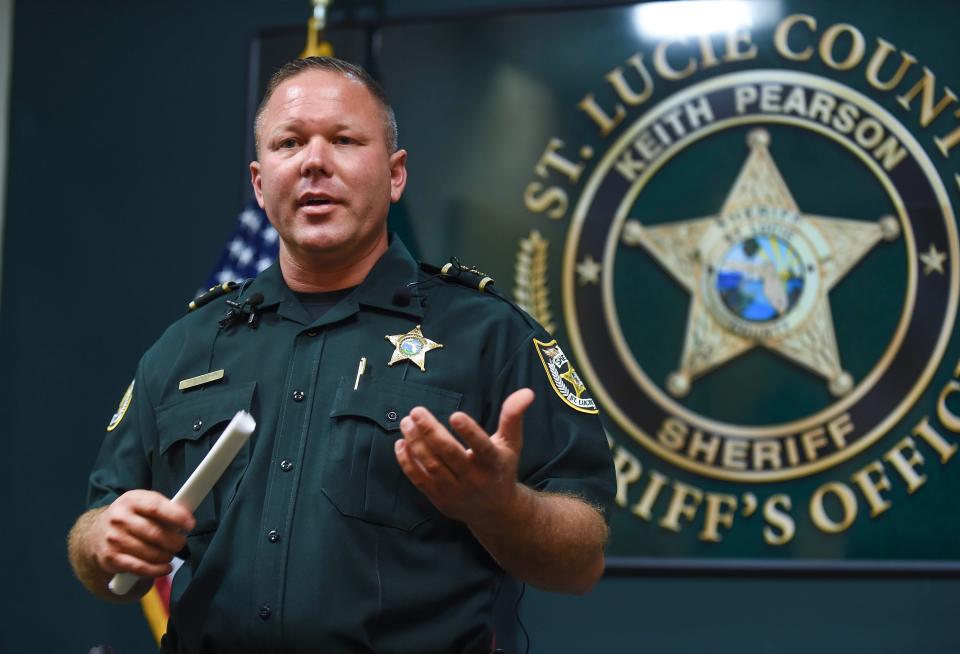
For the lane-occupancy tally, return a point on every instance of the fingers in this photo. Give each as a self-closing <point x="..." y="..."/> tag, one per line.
<point x="141" y="532"/>
<point x="121" y="552"/>
<point x="474" y="436"/>
<point x="155" y="506"/>
<point x="469" y="479"/>
<point x="411" y="468"/>
<point x="115" y="561"/>
<point x="151" y="534"/>
<point x="431" y="445"/>
<point x="511" y="416"/>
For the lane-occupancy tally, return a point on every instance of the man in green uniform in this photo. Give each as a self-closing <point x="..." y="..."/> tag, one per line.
<point x="416" y="439"/>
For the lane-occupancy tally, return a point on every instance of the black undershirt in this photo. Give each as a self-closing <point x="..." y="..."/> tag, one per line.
<point x="318" y="304"/>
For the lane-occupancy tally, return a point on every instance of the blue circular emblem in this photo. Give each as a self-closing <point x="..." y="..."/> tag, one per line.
<point x="760" y="278"/>
<point x="411" y="346"/>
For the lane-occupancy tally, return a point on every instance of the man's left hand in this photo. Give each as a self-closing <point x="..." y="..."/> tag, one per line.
<point x="475" y="483"/>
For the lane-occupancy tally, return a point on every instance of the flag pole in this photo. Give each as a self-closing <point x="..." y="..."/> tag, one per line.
<point x="315" y="26"/>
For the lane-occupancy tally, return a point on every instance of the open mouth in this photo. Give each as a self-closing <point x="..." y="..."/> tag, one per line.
<point x="316" y="202"/>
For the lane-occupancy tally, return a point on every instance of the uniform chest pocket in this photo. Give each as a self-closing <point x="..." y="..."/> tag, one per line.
<point x="187" y="429"/>
<point x="362" y="477"/>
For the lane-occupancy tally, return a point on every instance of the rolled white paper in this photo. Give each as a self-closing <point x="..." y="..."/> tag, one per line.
<point x="202" y="480"/>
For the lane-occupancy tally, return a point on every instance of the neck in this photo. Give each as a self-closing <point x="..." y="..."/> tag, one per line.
<point x="321" y="274"/>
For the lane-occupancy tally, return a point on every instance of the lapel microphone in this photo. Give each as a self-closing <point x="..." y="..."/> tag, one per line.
<point x="242" y="310"/>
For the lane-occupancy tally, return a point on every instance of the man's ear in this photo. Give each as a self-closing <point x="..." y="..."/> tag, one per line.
<point x="398" y="174"/>
<point x="255" y="181"/>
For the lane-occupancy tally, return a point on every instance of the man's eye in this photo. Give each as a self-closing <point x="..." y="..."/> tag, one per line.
<point x="343" y="140"/>
<point x="287" y="143"/>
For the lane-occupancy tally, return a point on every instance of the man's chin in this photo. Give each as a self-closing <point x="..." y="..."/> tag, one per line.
<point x="320" y="240"/>
<point x="331" y="248"/>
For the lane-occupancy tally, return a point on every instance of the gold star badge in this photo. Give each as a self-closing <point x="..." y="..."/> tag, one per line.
<point x="412" y="346"/>
<point x="790" y="260"/>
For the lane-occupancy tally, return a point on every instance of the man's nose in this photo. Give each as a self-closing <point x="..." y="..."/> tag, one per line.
<point x="316" y="158"/>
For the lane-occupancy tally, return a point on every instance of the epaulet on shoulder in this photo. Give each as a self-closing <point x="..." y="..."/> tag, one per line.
<point x="454" y="271"/>
<point x="472" y="278"/>
<point x="211" y="294"/>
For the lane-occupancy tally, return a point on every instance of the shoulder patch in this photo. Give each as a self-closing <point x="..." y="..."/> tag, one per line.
<point x="563" y="378"/>
<point x="122" y="409"/>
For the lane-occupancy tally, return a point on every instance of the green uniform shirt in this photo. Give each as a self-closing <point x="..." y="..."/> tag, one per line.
<point x="314" y="540"/>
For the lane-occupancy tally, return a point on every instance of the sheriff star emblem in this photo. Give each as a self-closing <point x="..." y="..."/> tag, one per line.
<point x="759" y="273"/>
<point x="412" y="346"/>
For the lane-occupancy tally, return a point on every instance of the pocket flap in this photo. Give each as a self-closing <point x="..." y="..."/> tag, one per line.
<point x="386" y="404"/>
<point x="196" y="414"/>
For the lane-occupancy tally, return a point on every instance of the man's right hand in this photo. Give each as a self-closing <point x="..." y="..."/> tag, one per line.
<point x="139" y="533"/>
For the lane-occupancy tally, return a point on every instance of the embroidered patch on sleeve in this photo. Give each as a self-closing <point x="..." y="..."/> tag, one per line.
<point x="122" y="409"/>
<point x="563" y="378"/>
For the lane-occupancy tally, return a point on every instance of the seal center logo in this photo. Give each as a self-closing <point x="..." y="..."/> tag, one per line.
<point x="759" y="279"/>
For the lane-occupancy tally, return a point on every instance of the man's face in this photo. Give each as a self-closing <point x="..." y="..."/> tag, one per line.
<point x="325" y="176"/>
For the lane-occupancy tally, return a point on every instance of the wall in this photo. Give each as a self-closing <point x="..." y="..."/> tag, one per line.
<point x="125" y="172"/>
<point x="6" y="60"/>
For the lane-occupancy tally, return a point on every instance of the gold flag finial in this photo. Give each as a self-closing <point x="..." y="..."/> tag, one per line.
<point x="315" y="26"/>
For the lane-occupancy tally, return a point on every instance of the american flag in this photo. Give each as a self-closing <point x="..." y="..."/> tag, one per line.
<point x="251" y="248"/>
<point x="156" y="603"/>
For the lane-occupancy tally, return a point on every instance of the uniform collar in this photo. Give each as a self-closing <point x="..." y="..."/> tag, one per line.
<point x="393" y="272"/>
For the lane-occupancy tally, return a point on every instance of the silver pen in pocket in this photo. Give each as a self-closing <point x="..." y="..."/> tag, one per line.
<point x="360" y="370"/>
